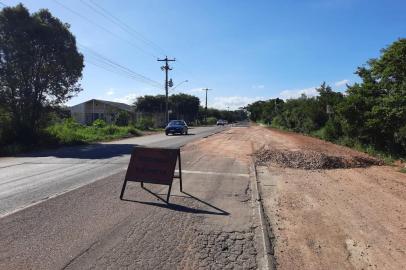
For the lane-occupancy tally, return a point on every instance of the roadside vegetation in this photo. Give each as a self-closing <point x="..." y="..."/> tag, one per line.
<point x="70" y="132"/>
<point x="40" y="69"/>
<point x="369" y="116"/>
<point x="185" y="107"/>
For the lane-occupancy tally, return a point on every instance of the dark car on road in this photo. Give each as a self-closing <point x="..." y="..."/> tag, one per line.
<point x="176" y="126"/>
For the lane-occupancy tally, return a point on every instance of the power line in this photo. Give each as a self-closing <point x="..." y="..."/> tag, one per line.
<point x="112" y="69"/>
<point x="108" y="15"/>
<point x="109" y="65"/>
<point x="104" y="28"/>
<point x="118" y="68"/>
<point x="130" y="30"/>
<point x="125" y="27"/>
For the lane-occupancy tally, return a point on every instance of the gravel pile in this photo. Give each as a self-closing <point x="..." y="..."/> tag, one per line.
<point x="312" y="160"/>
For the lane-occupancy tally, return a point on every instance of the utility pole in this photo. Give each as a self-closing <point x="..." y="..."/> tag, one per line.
<point x="205" y="109"/>
<point x="166" y="68"/>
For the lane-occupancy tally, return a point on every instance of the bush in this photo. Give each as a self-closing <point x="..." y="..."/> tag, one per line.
<point x="277" y="122"/>
<point x="211" y="120"/>
<point x="70" y="132"/>
<point x="111" y="129"/>
<point x="99" y="123"/>
<point x="145" y="123"/>
<point x="5" y="127"/>
<point x="123" y="119"/>
<point x="134" y="131"/>
<point x="67" y="132"/>
<point x="332" y="130"/>
<point x="400" y="137"/>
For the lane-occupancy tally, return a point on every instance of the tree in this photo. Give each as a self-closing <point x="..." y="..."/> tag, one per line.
<point x="123" y="118"/>
<point x="39" y="67"/>
<point x="150" y="104"/>
<point x="265" y="110"/>
<point x="256" y="110"/>
<point x="184" y="106"/>
<point x="375" y="110"/>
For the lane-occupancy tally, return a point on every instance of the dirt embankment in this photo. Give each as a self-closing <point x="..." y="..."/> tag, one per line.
<point x="330" y="207"/>
<point x="290" y="150"/>
<point x="312" y="160"/>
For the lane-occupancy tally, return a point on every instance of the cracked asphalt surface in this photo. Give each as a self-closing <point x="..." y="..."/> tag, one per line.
<point x="210" y="225"/>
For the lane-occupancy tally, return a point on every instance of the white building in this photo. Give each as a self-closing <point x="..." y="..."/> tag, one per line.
<point x="87" y="112"/>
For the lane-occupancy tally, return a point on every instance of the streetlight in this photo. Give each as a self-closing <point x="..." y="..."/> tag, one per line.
<point x="173" y="88"/>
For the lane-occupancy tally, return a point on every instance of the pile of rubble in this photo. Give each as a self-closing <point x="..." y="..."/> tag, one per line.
<point x="312" y="160"/>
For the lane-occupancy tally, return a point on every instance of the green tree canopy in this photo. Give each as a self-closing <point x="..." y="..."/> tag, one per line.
<point x="39" y="66"/>
<point x="375" y="109"/>
<point x="184" y="106"/>
<point x="371" y="112"/>
<point x="150" y="104"/>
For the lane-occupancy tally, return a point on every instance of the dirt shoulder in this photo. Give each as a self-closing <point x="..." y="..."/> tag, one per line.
<point x="330" y="207"/>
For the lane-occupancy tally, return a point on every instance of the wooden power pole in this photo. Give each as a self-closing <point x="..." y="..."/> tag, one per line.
<point x="205" y="108"/>
<point x="166" y="68"/>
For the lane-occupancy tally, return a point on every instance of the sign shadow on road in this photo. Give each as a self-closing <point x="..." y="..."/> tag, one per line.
<point x="183" y="208"/>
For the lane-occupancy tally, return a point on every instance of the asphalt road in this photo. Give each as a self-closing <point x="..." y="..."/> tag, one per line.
<point x="210" y="225"/>
<point x="36" y="177"/>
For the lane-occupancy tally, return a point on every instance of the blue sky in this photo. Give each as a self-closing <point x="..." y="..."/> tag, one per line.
<point x="243" y="50"/>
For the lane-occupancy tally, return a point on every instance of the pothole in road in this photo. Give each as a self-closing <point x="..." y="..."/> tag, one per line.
<point x="312" y="160"/>
<point x="223" y="250"/>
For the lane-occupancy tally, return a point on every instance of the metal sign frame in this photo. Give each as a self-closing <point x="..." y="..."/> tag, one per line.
<point x="129" y="176"/>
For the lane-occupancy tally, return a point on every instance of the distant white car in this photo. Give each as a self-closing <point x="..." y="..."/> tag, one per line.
<point x="221" y="122"/>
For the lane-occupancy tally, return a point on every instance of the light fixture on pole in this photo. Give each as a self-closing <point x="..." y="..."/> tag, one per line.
<point x="173" y="88"/>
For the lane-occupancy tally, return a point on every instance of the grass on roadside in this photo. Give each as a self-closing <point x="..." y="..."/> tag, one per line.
<point x="70" y="132"/>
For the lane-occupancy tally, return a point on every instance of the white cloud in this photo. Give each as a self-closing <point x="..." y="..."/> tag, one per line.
<point x="128" y="99"/>
<point x="341" y="83"/>
<point x="132" y="95"/>
<point x="233" y="102"/>
<point x="287" y="94"/>
<point x="110" y="92"/>
<point x="258" y="86"/>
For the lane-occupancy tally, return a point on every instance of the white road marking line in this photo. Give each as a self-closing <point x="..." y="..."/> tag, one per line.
<point x="214" y="173"/>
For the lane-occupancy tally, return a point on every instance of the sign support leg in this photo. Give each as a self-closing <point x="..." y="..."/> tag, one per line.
<point x="180" y="172"/>
<point x="169" y="193"/>
<point x="123" y="189"/>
